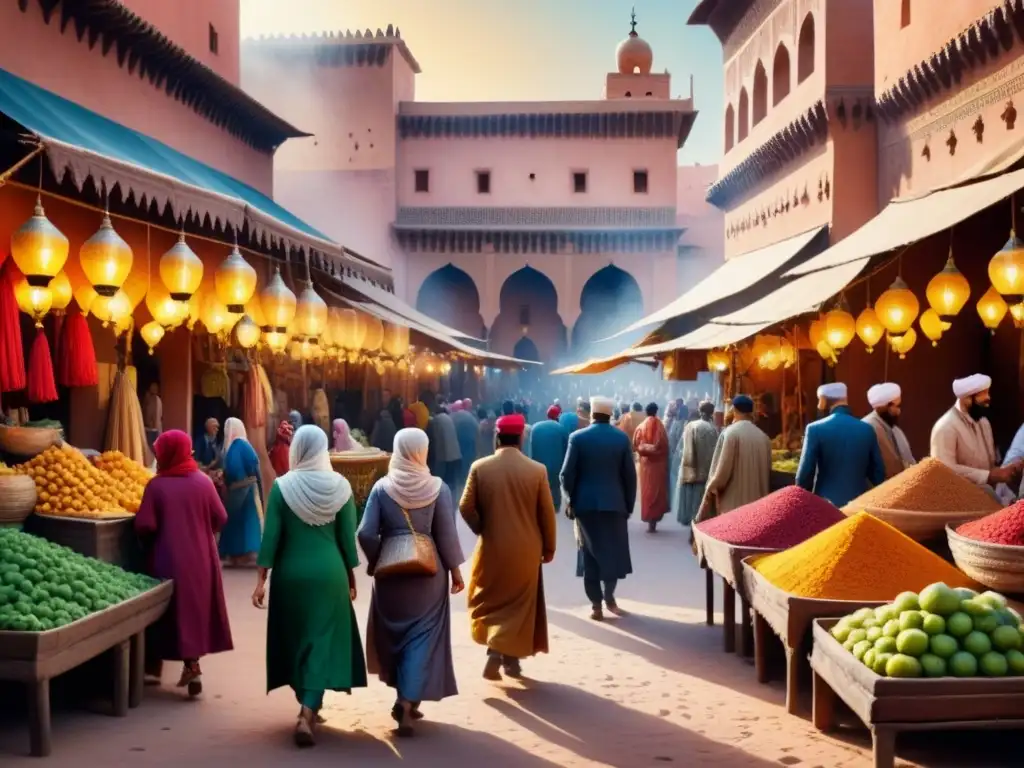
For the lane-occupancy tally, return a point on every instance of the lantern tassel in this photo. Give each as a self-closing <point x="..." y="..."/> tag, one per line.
<point x="12" y="356"/>
<point x="76" y="365"/>
<point x="41" y="386"/>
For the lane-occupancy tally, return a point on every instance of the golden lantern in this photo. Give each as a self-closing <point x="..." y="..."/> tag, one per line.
<point x="931" y="326"/>
<point x="60" y="287"/>
<point x="787" y="352"/>
<point x="112" y="309"/>
<point x="869" y="328"/>
<point x="215" y="316"/>
<point x="840" y="327"/>
<point x="151" y="333"/>
<point x="897" y="308"/>
<point x="181" y="271"/>
<point x="106" y="259"/>
<point x="446" y="368"/>
<point x="247" y="333"/>
<point x="34" y="301"/>
<point x="254" y="310"/>
<point x="276" y="341"/>
<point x="85" y="296"/>
<point x="992" y="309"/>
<point x="948" y="291"/>
<point x="816" y="332"/>
<point x="354" y="329"/>
<point x="396" y="340"/>
<point x="278" y="303"/>
<point x="1006" y="269"/>
<point x="329" y="338"/>
<point x="310" y="313"/>
<point x="1017" y="315"/>
<point x="902" y="344"/>
<point x="374" y="335"/>
<point x="827" y="353"/>
<point x="767" y="351"/>
<point x="718" y="360"/>
<point x="235" y="282"/>
<point x="39" y="249"/>
<point x="164" y="309"/>
<point x="295" y="351"/>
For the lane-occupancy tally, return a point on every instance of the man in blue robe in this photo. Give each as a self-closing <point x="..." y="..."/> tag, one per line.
<point x="549" y="443"/>
<point x="207" y="446"/>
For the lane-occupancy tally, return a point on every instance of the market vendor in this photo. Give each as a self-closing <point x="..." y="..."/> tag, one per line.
<point x="207" y="446"/>
<point x="962" y="437"/>
<point x="886" y="402"/>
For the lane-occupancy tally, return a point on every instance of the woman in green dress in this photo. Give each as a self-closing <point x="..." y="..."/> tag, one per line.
<point x="313" y="642"/>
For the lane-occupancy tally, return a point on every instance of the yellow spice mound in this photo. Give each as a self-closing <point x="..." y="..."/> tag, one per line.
<point x="860" y="558"/>
<point x="930" y="486"/>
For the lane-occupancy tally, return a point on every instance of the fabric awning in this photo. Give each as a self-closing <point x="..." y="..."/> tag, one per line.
<point x="85" y="145"/>
<point x="396" y="305"/>
<point x="602" y="365"/>
<point x="730" y="278"/>
<point x="907" y="220"/>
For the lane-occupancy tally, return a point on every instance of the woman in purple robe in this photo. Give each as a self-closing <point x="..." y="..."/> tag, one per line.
<point x="180" y="514"/>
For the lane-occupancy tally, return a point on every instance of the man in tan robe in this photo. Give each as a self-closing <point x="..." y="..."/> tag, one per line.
<point x="742" y="465"/>
<point x="507" y="504"/>
<point x="886" y="401"/>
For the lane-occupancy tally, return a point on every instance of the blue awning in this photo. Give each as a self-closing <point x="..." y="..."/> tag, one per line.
<point x="86" y="144"/>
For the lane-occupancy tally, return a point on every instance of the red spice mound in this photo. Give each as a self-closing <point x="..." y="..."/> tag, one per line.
<point x="778" y="521"/>
<point x="1003" y="527"/>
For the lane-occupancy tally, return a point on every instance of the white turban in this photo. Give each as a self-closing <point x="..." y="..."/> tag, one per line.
<point x="835" y="391"/>
<point x="883" y="394"/>
<point x="603" y="405"/>
<point x="971" y="385"/>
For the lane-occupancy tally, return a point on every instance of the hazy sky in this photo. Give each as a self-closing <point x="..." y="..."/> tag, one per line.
<point x="524" y="50"/>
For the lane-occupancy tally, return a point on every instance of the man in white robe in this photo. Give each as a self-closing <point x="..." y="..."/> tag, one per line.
<point x="886" y="401"/>
<point x="962" y="437"/>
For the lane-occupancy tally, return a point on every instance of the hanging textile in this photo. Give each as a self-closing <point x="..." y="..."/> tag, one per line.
<point x="125" y="430"/>
<point x="76" y="360"/>
<point x="12" y="356"/>
<point x="41" y="386"/>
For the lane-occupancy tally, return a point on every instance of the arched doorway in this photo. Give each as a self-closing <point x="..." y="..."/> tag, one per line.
<point x="449" y="295"/>
<point x="529" y="307"/>
<point x="611" y="300"/>
<point x="529" y="377"/>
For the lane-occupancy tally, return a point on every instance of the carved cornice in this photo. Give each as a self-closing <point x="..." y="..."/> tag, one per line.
<point x="986" y="39"/>
<point x="518" y="241"/>
<point x="535" y="218"/>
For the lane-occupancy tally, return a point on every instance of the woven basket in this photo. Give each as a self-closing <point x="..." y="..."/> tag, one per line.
<point x="362" y="470"/>
<point x="28" y="441"/>
<point x="920" y="526"/>
<point x="997" y="566"/>
<point x="17" y="498"/>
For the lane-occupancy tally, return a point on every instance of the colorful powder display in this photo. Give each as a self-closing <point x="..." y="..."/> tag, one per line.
<point x="930" y="486"/>
<point x="778" y="521"/>
<point x="1003" y="527"/>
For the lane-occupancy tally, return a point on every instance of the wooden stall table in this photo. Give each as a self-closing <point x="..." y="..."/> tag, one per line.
<point x="111" y="540"/>
<point x="362" y="469"/>
<point x="726" y="560"/>
<point x="35" y="658"/>
<point x="790" y="618"/>
<point x="888" y="706"/>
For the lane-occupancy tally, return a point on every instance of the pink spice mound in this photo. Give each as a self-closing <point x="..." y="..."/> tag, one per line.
<point x="778" y="521"/>
<point x="1003" y="527"/>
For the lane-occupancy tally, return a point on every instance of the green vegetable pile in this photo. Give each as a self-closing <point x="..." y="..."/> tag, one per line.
<point x="44" y="586"/>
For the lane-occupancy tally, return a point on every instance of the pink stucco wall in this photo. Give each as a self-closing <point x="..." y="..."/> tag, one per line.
<point x="86" y="77"/>
<point x="702" y="245"/>
<point x="188" y="22"/>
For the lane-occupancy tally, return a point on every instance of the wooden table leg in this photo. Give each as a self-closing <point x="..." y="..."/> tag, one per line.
<point x="792" y="682"/>
<point x="122" y="675"/>
<point x="761" y="638"/>
<point x="39" y="728"/>
<point x="883" y="742"/>
<point x="729" y="617"/>
<point x="746" y="630"/>
<point x="709" y="597"/>
<point x="137" y="676"/>
<point x="823" y="708"/>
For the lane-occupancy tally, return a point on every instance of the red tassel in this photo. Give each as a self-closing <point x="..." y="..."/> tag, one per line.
<point x="76" y="365"/>
<point x="41" y="386"/>
<point x="12" y="356"/>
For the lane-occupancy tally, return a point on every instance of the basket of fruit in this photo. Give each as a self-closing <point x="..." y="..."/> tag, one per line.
<point x="31" y="439"/>
<point x="68" y="485"/>
<point x="17" y="496"/>
<point x="997" y="566"/>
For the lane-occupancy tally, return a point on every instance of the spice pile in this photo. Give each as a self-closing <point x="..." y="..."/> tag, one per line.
<point x="1003" y="527"/>
<point x="777" y="521"/>
<point x="861" y="558"/>
<point x="930" y="486"/>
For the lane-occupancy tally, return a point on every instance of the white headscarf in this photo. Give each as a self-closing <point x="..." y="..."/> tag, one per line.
<point x="409" y="482"/>
<point x="311" y="489"/>
<point x="234" y="429"/>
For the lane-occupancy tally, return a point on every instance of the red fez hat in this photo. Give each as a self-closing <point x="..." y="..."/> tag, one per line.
<point x="554" y="412"/>
<point x="511" y="425"/>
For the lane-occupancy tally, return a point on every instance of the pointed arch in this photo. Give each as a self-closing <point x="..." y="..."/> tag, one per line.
<point x="760" y="93"/>
<point x="781" y="74"/>
<point x="730" y="127"/>
<point x="528" y="303"/>
<point x="805" y="49"/>
<point x="743" y="118"/>
<point x="610" y="300"/>
<point x="450" y="296"/>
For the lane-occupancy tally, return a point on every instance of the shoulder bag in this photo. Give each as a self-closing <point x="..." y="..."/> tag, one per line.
<point x="406" y="554"/>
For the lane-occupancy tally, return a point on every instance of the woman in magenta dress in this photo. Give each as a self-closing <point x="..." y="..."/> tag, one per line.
<point x="180" y="514"/>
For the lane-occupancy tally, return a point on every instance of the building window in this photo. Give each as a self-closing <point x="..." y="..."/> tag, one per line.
<point x="629" y="94"/>
<point x="640" y="182"/>
<point x="579" y="182"/>
<point x="730" y="127"/>
<point x="214" y="40"/>
<point x="760" y="93"/>
<point x="422" y="181"/>
<point x="483" y="182"/>
<point x="743" y="120"/>
<point x="905" y="14"/>
<point x="805" y="50"/>
<point x="781" y="75"/>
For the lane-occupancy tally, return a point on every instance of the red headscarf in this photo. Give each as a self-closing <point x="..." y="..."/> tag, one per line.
<point x="173" y="451"/>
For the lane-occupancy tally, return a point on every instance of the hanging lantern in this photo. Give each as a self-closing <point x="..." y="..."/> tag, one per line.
<point x="39" y="249"/>
<point x="931" y="326"/>
<point x="827" y="353"/>
<point x="112" y="309"/>
<point x="254" y="310"/>
<point x="34" y="301"/>
<point x="60" y="287"/>
<point x="214" y="315"/>
<point x="1006" y="269"/>
<point x="327" y="335"/>
<point x="816" y="332"/>
<point x="948" y="291"/>
<point x="992" y="309"/>
<point x="374" y="335"/>
<point x="718" y="360"/>
<point x="902" y="344"/>
<point x="235" y="282"/>
<point x="310" y="313"/>
<point x="278" y="303"/>
<point x="106" y="259"/>
<point x="181" y="271"/>
<point x="295" y="350"/>
<point x="897" y="308"/>
<point x="788" y="353"/>
<point x="1017" y="315"/>
<point x="151" y="333"/>
<point x="396" y="340"/>
<point x="767" y="351"/>
<point x="869" y="328"/>
<point x="247" y="333"/>
<point x="164" y="309"/>
<point x="277" y="341"/>
<point x="840" y="327"/>
<point x="85" y="295"/>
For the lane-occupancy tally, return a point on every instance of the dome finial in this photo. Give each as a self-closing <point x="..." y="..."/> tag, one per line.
<point x="632" y="22"/>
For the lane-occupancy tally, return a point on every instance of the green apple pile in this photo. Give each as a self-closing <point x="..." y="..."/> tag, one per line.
<point x="941" y="632"/>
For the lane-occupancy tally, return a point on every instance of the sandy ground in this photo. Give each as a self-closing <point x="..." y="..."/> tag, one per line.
<point x="649" y="689"/>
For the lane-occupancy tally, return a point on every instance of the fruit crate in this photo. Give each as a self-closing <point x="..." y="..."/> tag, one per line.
<point x="35" y="658"/>
<point x="726" y="560"/>
<point x="888" y="706"/>
<point x="110" y="540"/>
<point x="790" y="618"/>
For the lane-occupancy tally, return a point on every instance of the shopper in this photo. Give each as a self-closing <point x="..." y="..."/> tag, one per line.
<point x="240" y="539"/>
